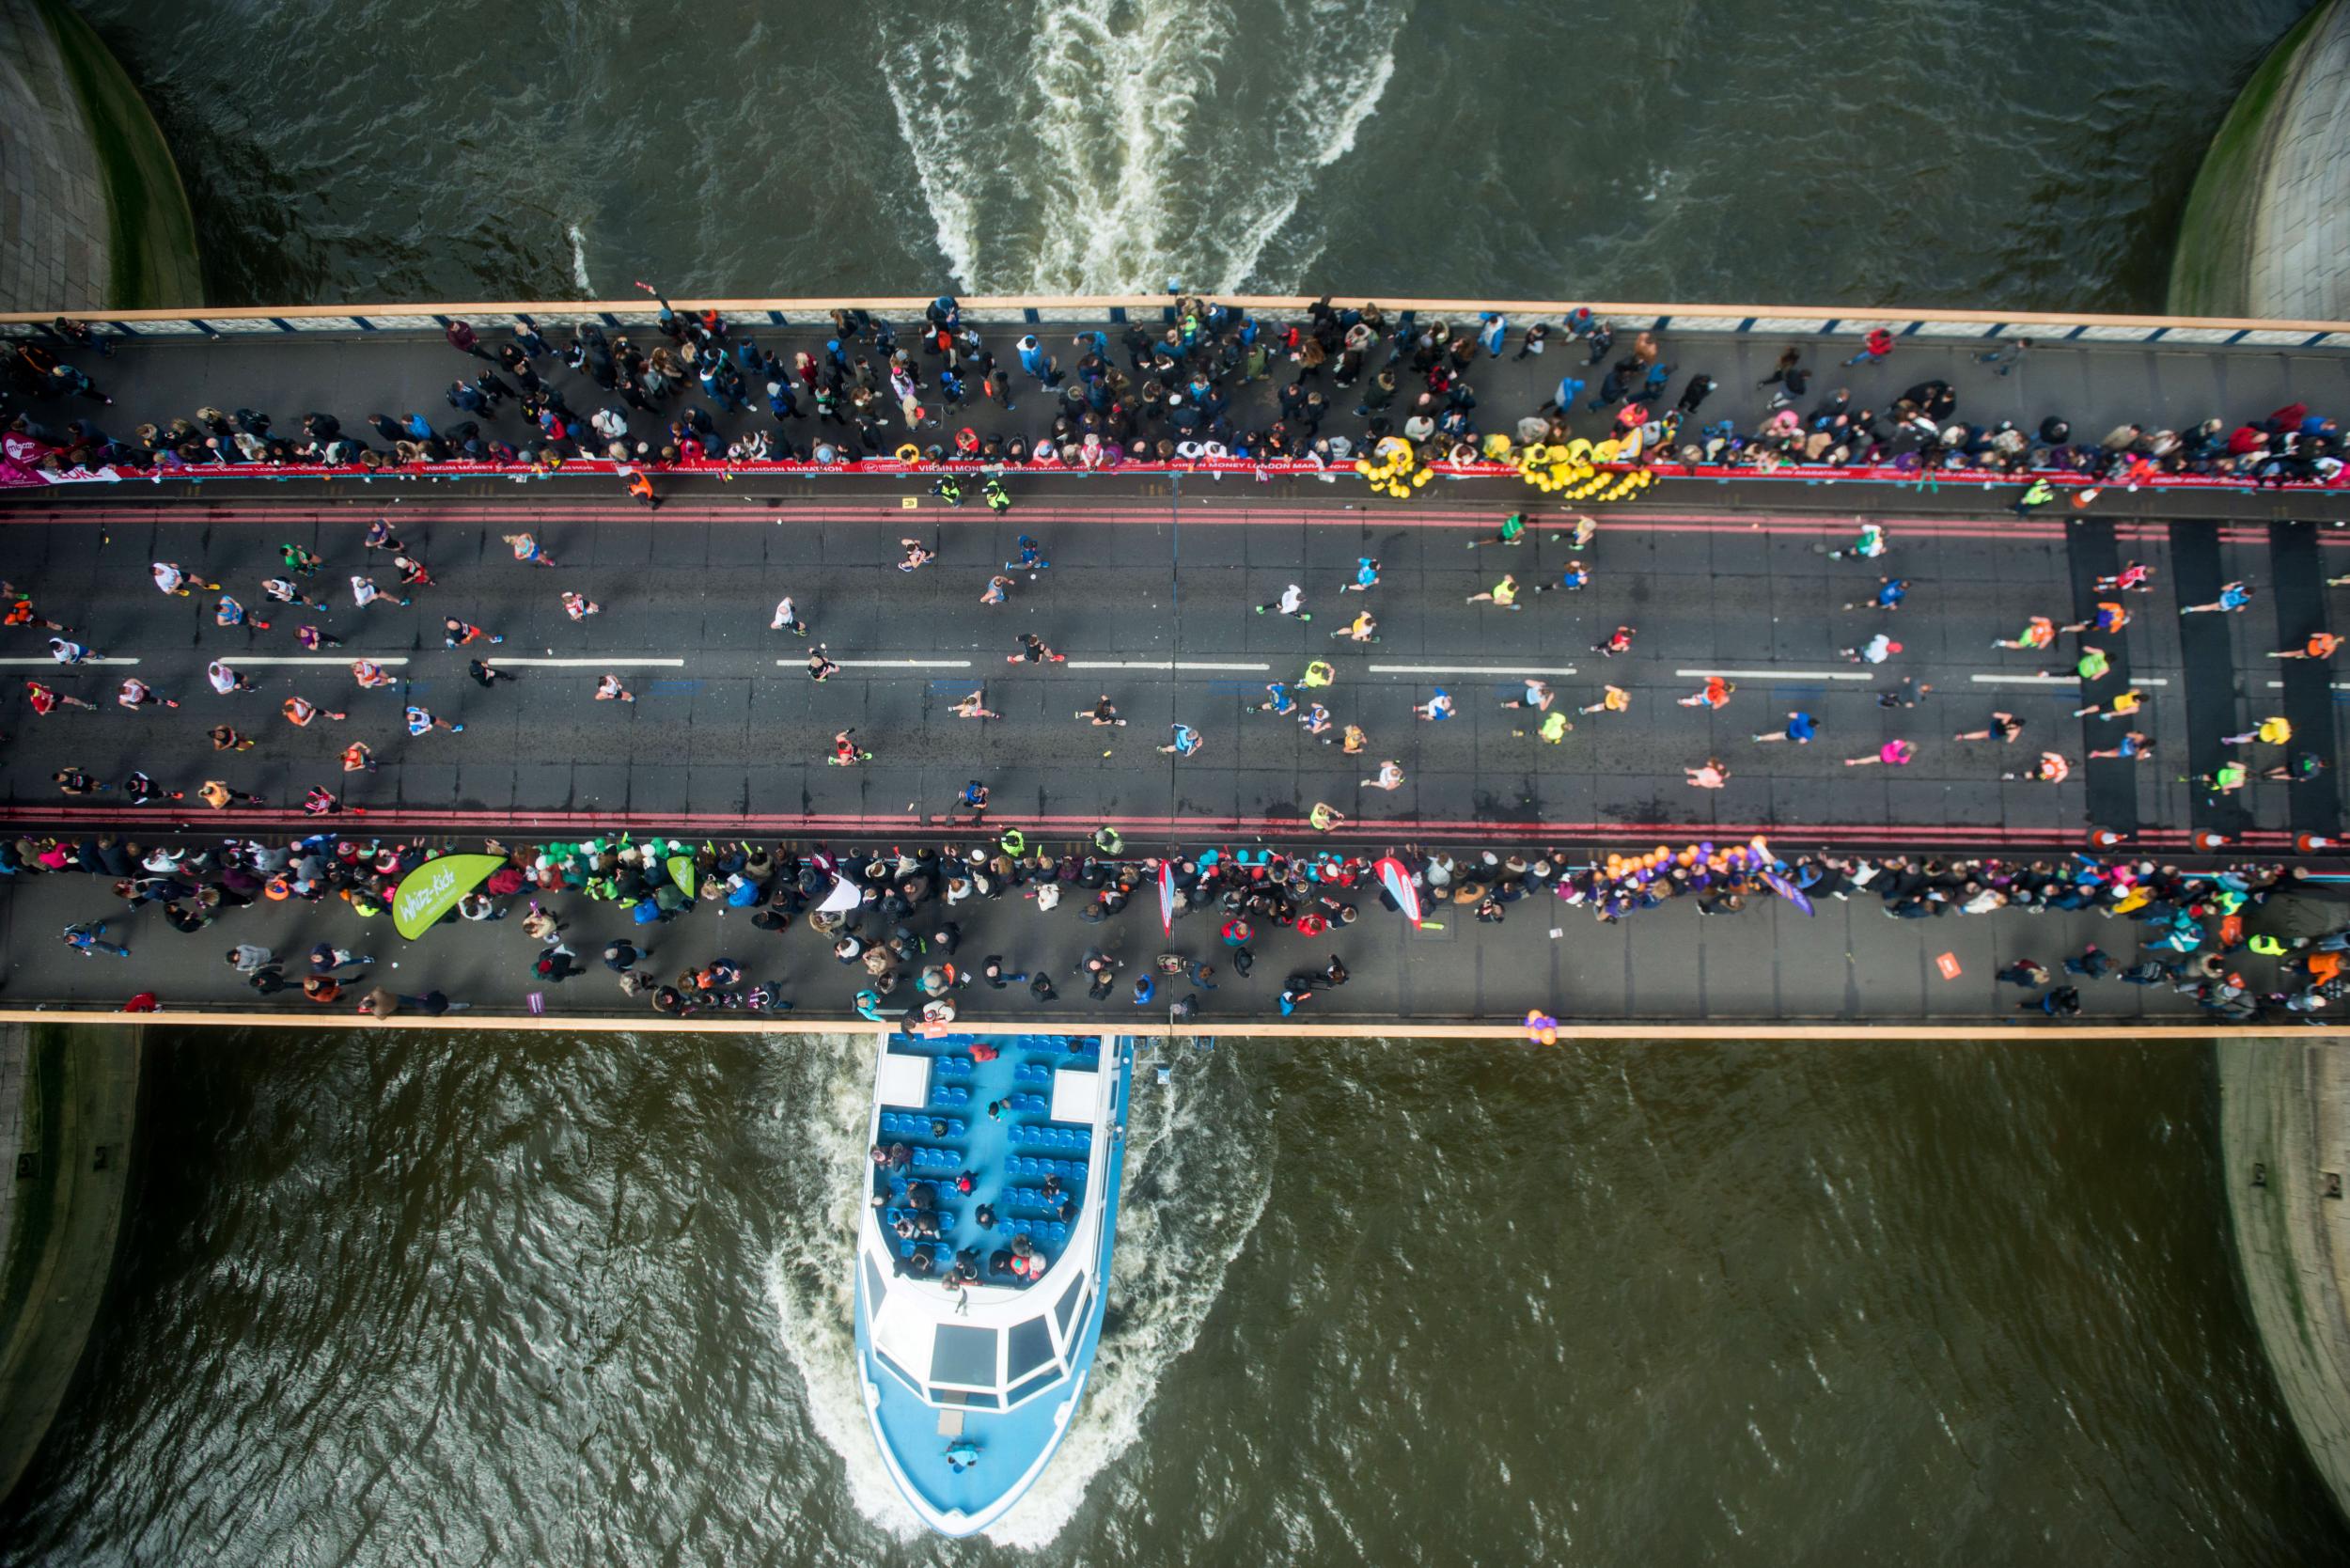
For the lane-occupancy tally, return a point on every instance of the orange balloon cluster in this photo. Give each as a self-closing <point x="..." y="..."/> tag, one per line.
<point x="1646" y="867"/>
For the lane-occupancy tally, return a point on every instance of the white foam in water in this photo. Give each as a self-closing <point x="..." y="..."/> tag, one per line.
<point x="1197" y="1176"/>
<point x="929" y="90"/>
<point x="1365" y="85"/>
<point x="822" y="1116"/>
<point x="579" y="261"/>
<point x="1109" y="111"/>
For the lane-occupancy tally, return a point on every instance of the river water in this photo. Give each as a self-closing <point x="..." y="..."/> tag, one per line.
<point x="1971" y="153"/>
<point x="387" y="1299"/>
<point x="391" y="1300"/>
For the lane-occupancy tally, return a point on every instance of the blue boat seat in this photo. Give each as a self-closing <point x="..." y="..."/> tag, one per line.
<point x="950" y="1094"/>
<point x="1052" y="1138"/>
<point x="1051" y="1235"/>
<point x="1034" y="1203"/>
<point x="926" y="1158"/>
<point x="1032" y="1073"/>
<point x="1035" y="1169"/>
<point x="906" y="1124"/>
<point x="1027" y="1105"/>
<point x="954" y="1067"/>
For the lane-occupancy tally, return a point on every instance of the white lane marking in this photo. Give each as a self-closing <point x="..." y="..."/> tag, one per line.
<point x="233" y="660"/>
<point x="879" y="664"/>
<point x="1162" y="664"/>
<point x="93" y="658"/>
<point x="2054" y="681"/>
<point x="2339" y="686"/>
<point x="1471" y="671"/>
<point x="1778" y="674"/>
<point x="488" y="657"/>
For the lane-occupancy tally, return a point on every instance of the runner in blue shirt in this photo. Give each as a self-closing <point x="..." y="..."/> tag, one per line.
<point x="1575" y="578"/>
<point x="1801" y="727"/>
<point x="2234" y="597"/>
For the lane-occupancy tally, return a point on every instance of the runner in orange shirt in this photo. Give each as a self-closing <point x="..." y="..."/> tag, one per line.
<point x="2322" y="645"/>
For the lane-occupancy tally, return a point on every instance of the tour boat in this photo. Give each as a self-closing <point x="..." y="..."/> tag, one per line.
<point x="1001" y="1153"/>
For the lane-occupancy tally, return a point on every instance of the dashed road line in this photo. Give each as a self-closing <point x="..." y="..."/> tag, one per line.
<point x="1778" y="674"/>
<point x="2056" y="680"/>
<point x="881" y="664"/>
<point x="389" y="661"/>
<point x="1162" y="664"/>
<point x="1470" y="671"/>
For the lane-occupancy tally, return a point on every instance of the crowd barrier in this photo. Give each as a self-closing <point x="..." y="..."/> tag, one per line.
<point x="17" y="473"/>
<point x="1729" y="320"/>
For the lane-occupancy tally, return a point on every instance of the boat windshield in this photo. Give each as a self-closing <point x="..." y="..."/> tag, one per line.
<point x="1031" y="1347"/>
<point x="964" y="1354"/>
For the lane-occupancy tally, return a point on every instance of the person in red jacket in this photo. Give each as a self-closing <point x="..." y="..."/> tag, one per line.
<point x="1872" y="348"/>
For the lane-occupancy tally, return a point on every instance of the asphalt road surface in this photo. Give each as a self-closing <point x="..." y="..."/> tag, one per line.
<point x="1151" y="594"/>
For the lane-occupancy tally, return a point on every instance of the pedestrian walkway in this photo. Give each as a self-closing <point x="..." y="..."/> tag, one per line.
<point x="2098" y="386"/>
<point x="1770" y="961"/>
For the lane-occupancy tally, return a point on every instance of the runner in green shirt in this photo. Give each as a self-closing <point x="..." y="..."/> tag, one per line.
<point x="1512" y="529"/>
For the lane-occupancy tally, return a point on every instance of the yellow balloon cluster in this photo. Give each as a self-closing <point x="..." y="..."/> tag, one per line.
<point x="1554" y="470"/>
<point x="1394" y="468"/>
<point x="1573" y="471"/>
<point x="1615" y="487"/>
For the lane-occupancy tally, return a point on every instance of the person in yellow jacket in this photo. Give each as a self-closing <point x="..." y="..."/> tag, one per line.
<point x="1504" y="594"/>
<point x="2274" y="730"/>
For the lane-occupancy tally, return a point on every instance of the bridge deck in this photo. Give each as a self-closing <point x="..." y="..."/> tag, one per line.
<point x="1151" y="595"/>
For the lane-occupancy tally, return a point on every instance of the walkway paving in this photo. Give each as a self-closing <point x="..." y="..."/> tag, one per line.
<point x="1852" y="963"/>
<point x="2096" y="386"/>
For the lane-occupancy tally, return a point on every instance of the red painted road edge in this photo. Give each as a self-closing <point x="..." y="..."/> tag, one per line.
<point x="1138" y="829"/>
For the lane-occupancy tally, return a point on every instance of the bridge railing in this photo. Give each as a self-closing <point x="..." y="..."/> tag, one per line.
<point x="1102" y="310"/>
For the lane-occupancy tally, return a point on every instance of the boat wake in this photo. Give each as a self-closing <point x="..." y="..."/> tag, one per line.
<point x="823" y="1094"/>
<point x="1099" y="146"/>
<point x="1199" y="1173"/>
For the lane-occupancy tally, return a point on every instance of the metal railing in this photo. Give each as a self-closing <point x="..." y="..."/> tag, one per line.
<point x="1102" y="310"/>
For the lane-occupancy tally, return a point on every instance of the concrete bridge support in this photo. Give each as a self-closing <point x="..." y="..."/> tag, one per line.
<point x="2267" y="226"/>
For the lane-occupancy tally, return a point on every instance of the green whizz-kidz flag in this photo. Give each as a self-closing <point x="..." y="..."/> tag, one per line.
<point x="432" y="889"/>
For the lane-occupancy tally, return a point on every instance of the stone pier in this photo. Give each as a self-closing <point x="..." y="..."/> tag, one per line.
<point x="2268" y="226"/>
<point x="2286" y="1148"/>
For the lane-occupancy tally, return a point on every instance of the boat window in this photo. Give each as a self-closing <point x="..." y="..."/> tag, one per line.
<point x="1031" y="1347"/>
<point x="1044" y="1379"/>
<point x="965" y="1397"/>
<point x="1067" y="1305"/>
<point x="904" y="1377"/>
<point x="961" y="1355"/>
<point x="875" y="1284"/>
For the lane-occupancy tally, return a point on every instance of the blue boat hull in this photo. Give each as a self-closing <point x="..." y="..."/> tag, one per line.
<point x="1013" y="1445"/>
